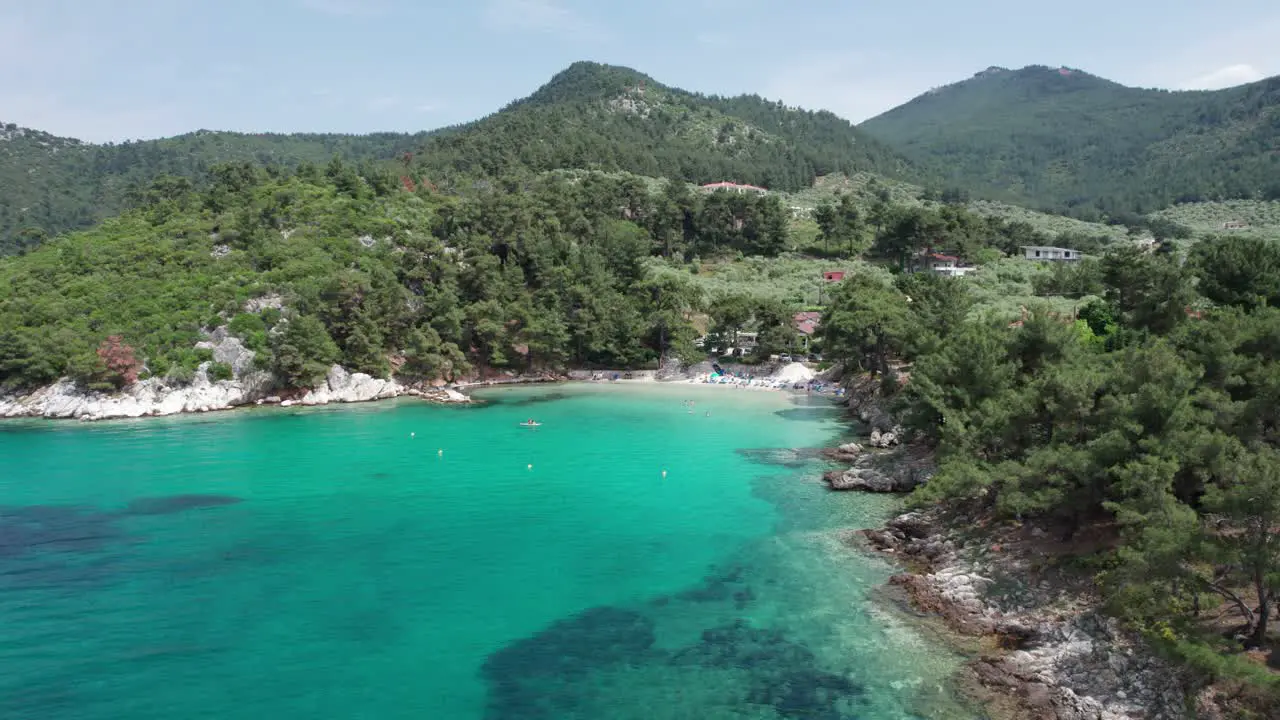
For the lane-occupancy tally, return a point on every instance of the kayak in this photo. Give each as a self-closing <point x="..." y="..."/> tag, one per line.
<point x="529" y="424"/>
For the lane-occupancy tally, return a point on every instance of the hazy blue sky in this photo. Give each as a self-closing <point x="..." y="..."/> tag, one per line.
<point x="116" y="69"/>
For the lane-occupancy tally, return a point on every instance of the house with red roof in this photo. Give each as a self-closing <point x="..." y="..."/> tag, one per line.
<point x="942" y="264"/>
<point x="806" y="324"/>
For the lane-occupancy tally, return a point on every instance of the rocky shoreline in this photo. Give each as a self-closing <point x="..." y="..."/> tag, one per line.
<point x="1040" y="647"/>
<point x="156" y="397"/>
<point x="1045" y="651"/>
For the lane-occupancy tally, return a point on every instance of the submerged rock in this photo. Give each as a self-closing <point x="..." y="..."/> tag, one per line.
<point x="782" y="674"/>
<point x="845" y="453"/>
<point x="176" y="503"/>
<point x="553" y="674"/>
<point x="893" y="472"/>
<point x="53" y="529"/>
<point x="541" y="676"/>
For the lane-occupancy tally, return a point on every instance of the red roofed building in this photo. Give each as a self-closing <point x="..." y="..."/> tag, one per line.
<point x="806" y="324"/>
<point x="733" y="187"/>
<point x="941" y="264"/>
<point x="833" y="275"/>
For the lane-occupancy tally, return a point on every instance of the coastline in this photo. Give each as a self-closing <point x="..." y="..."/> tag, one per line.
<point x="63" y="400"/>
<point x="1038" y="644"/>
<point x="154" y="397"/>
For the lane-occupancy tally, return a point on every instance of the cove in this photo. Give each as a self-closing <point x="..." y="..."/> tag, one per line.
<point x="405" y="560"/>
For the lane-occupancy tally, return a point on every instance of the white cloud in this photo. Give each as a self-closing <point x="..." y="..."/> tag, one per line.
<point x="1221" y="56"/>
<point x="1226" y="77"/>
<point x="345" y="8"/>
<point x="541" y="16"/>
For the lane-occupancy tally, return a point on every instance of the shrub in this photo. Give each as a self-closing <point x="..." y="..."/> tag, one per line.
<point x="119" y="366"/>
<point x="220" y="371"/>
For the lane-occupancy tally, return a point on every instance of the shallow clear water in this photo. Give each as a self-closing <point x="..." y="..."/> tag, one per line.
<point x="403" y="560"/>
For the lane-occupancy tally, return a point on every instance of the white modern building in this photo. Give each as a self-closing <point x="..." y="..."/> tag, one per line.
<point x="1050" y="254"/>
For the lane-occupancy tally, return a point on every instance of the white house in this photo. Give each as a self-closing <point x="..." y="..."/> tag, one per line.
<point x="1052" y="254"/>
<point x="734" y="187"/>
<point x="948" y="265"/>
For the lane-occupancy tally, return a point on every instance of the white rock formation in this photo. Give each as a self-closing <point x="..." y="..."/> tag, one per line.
<point x="342" y="386"/>
<point x="155" y="396"/>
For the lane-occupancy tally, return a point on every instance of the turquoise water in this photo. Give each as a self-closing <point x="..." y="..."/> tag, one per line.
<point x="403" y="560"/>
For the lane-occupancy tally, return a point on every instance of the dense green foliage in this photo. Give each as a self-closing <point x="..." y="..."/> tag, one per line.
<point x="1069" y="141"/>
<point x="49" y="184"/>
<point x="370" y="274"/>
<point x="1140" y="416"/>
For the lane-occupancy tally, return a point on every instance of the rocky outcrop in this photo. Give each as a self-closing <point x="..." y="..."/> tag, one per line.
<point x="229" y="350"/>
<point x="342" y="386"/>
<point x="154" y="396"/>
<point x="848" y="452"/>
<point x="867" y="403"/>
<point x="884" y="440"/>
<point x="900" y="471"/>
<point x="157" y="396"/>
<point x="1059" y="658"/>
<point x="866" y="480"/>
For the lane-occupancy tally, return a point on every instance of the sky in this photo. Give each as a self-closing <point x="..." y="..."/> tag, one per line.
<point x="111" y="70"/>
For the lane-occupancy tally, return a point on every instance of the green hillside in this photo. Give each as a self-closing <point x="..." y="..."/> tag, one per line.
<point x="1064" y="139"/>
<point x="50" y="184"/>
<point x="867" y="190"/>
<point x="588" y="117"/>
<point x="1260" y="218"/>
<point x="609" y="118"/>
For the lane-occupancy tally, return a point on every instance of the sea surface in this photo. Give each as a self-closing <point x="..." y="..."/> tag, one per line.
<point x="627" y="559"/>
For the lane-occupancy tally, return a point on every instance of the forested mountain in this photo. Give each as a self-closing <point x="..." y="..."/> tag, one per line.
<point x="590" y="116"/>
<point x="1063" y="139"/>
<point x="602" y="117"/>
<point x="50" y="184"/>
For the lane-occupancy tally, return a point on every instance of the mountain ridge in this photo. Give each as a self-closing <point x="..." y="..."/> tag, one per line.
<point x="1057" y="139"/>
<point x="589" y="116"/>
<point x="1067" y="140"/>
<point x="624" y="120"/>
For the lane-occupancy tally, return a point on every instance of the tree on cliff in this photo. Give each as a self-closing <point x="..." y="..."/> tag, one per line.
<point x="303" y="351"/>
